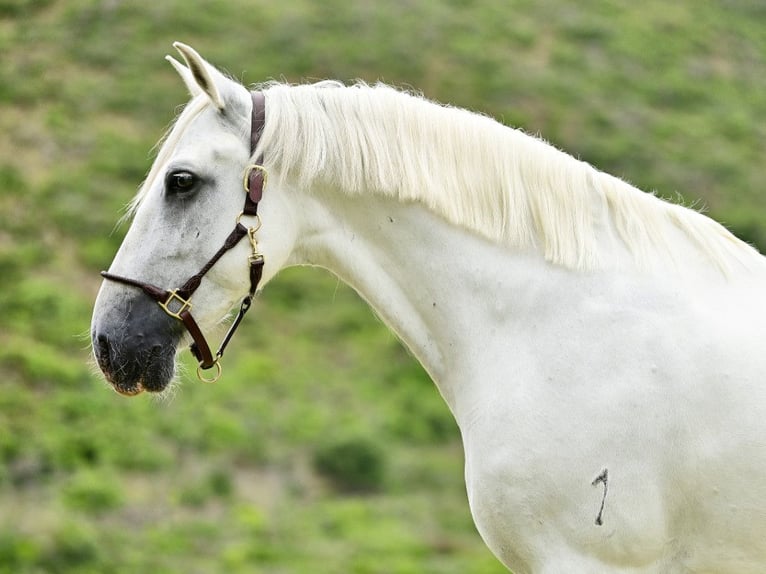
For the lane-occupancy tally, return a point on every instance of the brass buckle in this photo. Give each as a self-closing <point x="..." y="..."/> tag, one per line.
<point x="174" y="296"/>
<point x="248" y="170"/>
<point x="217" y="374"/>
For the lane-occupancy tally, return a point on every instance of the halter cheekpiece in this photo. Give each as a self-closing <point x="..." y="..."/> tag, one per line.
<point x="175" y="302"/>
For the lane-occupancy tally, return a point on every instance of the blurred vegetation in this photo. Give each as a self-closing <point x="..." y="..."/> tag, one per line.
<point x="324" y="448"/>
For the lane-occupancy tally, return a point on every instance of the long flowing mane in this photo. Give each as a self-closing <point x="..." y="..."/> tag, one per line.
<point x="477" y="173"/>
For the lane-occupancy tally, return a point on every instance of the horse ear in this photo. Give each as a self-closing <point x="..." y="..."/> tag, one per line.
<point x="186" y="76"/>
<point x="202" y="75"/>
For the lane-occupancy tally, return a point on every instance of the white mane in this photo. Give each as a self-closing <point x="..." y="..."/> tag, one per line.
<point x="499" y="182"/>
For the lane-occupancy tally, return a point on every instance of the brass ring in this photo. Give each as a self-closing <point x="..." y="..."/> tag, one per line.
<point x="212" y="379"/>
<point x="253" y="228"/>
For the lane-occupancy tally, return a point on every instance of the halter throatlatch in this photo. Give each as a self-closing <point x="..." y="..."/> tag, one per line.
<point x="176" y="302"/>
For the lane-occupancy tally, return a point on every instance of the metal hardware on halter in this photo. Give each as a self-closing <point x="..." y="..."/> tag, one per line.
<point x="174" y="296"/>
<point x="215" y="377"/>
<point x="249" y="172"/>
<point x="169" y="299"/>
<point x="256" y="255"/>
<point x="255" y="227"/>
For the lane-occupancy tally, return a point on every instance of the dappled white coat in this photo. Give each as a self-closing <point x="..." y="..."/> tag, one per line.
<point x="601" y="350"/>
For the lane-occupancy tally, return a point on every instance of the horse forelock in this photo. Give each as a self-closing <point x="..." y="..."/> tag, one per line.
<point x="499" y="182"/>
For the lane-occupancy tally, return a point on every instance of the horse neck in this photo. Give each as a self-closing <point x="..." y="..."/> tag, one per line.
<point x="462" y="303"/>
<point x="437" y="286"/>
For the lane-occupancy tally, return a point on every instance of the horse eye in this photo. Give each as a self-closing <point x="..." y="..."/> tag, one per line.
<point x="180" y="182"/>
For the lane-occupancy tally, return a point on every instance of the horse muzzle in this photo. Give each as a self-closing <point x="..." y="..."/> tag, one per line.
<point x="134" y="344"/>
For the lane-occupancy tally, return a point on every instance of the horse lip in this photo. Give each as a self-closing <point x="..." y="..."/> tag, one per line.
<point x="129" y="391"/>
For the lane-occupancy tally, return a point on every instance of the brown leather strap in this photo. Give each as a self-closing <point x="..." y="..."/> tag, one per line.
<point x="199" y="348"/>
<point x="194" y="281"/>
<point x="157" y="293"/>
<point x="257" y="119"/>
<point x="256" y="176"/>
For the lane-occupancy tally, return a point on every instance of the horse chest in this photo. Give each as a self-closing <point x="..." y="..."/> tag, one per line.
<point x="567" y="464"/>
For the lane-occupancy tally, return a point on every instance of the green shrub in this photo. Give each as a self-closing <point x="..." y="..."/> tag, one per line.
<point x="92" y="492"/>
<point x="73" y="548"/>
<point x="17" y="551"/>
<point x="217" y="484"/>
<point x="352" y="464"/>
<point x="12" y="8"/>
<point x="423" y="418"/>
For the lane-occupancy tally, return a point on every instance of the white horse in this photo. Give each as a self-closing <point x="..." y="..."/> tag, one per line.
<point x="602" y="350"/>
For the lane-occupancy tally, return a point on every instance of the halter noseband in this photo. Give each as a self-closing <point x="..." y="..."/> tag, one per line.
<point x="176" y="302"/>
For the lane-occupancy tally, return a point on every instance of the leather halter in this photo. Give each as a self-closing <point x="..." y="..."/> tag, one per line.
<point x="175" y="302"/>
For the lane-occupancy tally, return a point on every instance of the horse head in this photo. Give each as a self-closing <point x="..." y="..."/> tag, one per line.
<point x="185" y="211"/>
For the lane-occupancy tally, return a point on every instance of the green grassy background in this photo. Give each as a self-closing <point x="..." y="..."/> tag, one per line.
<point x="325" y="448"/>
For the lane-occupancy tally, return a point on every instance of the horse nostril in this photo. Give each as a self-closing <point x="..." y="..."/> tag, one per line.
<point x="102" y="350"/>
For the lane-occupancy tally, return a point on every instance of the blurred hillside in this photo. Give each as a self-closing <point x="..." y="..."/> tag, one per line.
<point x="324" y="449"/>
